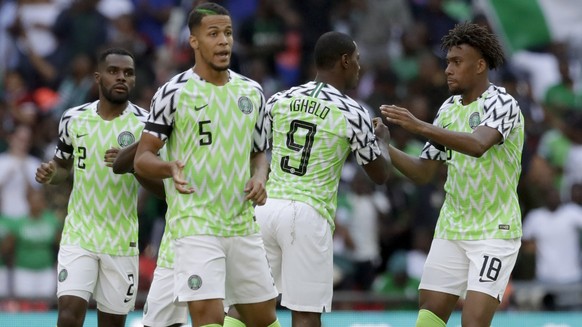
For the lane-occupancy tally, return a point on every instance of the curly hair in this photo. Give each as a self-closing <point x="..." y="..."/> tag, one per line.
<point x="477" y="37"/>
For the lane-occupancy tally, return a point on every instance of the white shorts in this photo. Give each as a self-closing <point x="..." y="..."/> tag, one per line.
<point x="111" y="279"/>
<point x="230" y="268"/>
<point x="455" y="267"/>
<point x="160" y="308"/>
<point x="299" y="247"/>
<point x="35" y="283"/>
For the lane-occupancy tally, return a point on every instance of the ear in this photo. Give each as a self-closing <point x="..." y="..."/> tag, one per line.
<point x="97" y="77"/>
<point x="345" y="61"/>
<point x="193" y="42"/>
<point x="481" y="66"/>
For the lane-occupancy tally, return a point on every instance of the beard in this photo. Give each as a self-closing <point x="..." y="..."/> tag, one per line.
<point x="115" y="98"/>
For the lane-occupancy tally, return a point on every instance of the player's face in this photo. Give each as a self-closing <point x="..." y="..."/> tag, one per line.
<point x="354" y="69"/>
<point x="464" y="63"/>
<point x="116" y="78"/>
<point x="213" y="41"/>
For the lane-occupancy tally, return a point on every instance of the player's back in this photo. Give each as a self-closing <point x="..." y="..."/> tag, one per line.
<point x="314" y="128"/>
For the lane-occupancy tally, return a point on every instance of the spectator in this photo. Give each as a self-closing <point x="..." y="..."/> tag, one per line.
<point x="17" y="170"/>
<point x="553" y="233"/>
<point x="33" y="241"/>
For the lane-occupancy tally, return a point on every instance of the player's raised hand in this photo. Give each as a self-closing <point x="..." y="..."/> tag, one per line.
<point x="256" y="192"/>
<point x="110" y="156"/>
<point x="45" y="172"/>
<point x="180" y="183"/>
<point x="401" y="116"/>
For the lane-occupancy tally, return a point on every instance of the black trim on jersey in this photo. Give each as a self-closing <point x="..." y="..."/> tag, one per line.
<point x="157" y="128"/>
<point x="438" y="146"/>
<point x="63" y="147"/>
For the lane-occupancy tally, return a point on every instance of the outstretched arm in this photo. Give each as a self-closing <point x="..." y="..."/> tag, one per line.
<point x="149" y="165"/>
<point x="473" y="144"/>
<point x="121" y="162"/>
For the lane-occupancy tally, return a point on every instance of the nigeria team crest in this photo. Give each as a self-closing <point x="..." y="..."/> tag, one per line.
<point x="125" y="138"/>
<point x="245" y="105"/>
<point x="474" y="120"/>
<point x="194" y="282"/>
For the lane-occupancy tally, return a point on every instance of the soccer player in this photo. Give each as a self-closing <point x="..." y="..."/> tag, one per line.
<point x="315" y="126"/>
<point x="478" y="133"/>
<point x="98" y="254"/>
<point x="211" y="121"/>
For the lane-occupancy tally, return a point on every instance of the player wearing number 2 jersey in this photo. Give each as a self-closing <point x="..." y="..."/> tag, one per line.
<point x="314" y="126"/>
<point x="478" y="133"/>
<point x="98" y="254"/>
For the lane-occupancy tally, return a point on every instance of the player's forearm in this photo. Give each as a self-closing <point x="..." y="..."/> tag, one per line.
<point x="60" y="176"/>
<point x="150" y="166"/>
<point x="412" y="167"/>
<point x="466" y="143"/>
<point x="124" y="161"/>
<point x="259" y="165"/>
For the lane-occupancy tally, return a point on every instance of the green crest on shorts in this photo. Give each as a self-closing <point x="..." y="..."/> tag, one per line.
<point x="63" y="274"/>
<point x="194" y="282"/>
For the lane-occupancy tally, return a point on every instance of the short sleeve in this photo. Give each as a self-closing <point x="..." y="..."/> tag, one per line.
<point x="502" y="113"/>
<point x="64" y="148"/>
<point x="162" y="111"/>
<point x="363" y="141"/>
<point x="260" y="134"/>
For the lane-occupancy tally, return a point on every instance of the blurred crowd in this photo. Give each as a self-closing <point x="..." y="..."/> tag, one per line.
<point x="47" y="60"/>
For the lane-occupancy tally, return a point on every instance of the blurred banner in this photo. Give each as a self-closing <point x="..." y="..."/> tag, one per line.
<point x="531" y="24"/>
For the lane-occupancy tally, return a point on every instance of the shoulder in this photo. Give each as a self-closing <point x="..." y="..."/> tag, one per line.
<point x="239" y="79"/>
<point x="498" y="97"/>
<point x="137" y="111"/>
<point x="296" y="91"/>
<point x="175" y="83"/>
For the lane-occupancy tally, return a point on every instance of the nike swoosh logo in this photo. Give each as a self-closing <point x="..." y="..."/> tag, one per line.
<point x="447" y="125"/>
<point x="200" y="108"/>
<point x="81" y="135"/>
<point x="126" y="300"/>
<point x="485" y="280"/>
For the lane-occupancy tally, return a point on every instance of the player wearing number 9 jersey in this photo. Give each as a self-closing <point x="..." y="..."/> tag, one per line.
<point x="314" y="127"/>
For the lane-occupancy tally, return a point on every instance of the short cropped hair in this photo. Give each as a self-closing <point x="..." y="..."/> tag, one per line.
<point x="203" y="10"/>
<point x="477" y="37"/>
<point x="330" y="47"/>
<point x="117" y="51"/>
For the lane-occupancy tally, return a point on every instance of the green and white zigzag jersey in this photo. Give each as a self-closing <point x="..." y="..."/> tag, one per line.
<point x="314" y="127"/>
<point x="102" y="212"/>
<point x="481" y="193"/>
<point x="166" y="250"/>
<point x="213" y="130"/>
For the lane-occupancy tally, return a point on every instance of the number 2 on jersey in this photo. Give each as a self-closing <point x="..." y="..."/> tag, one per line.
<point x="305" y="148"/>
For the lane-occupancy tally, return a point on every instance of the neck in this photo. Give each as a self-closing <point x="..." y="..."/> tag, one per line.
<point x="471" y="95"/>
<point x="213" y="76"/>
<point x="327" y="78"/>
<point x="110" y="111"/>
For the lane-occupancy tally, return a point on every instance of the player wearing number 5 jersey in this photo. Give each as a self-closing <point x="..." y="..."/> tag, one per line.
<point x="478" y="133"/>
<point x="314" y="126"/>
<point x="211" y="121"/>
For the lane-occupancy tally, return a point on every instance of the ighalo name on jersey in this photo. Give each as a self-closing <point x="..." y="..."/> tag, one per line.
<point x="310" y="106"/>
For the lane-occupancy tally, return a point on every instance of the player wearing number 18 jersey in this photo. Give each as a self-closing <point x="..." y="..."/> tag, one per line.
<point x="478" y="133"/>
<point x="314" y="127"/>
